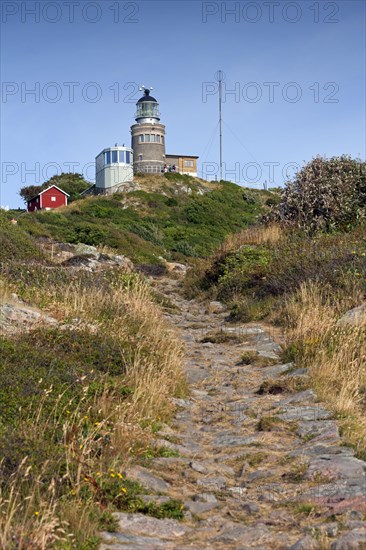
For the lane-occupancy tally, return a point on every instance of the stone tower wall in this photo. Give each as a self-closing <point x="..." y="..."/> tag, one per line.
<point x="153" y="154"/>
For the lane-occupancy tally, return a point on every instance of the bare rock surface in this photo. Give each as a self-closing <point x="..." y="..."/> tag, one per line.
<point x="147" y="479"/>
<point x="354" y="316"/>
<point x="16" y="316"/>
<point x="255" y="469"/>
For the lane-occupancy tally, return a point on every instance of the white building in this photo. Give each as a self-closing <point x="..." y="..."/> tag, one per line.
<point x="114" y="168"/>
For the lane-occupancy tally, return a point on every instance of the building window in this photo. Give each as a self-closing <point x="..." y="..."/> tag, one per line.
<point x="121" y="155"/>
<point x="114" y="157"/>
<point x="152" y="138"/>
<point x="147" y="138"/>
<point x="53" y="199"/>
<point x="128" y="160"/>
<point x="162" y="139"/>
<point x="107" y="157"/>
<point x="157" y="139"/>
<point x="189" y="163"/>
<point x="141" y="138"/>
<point x="140" y="157"/>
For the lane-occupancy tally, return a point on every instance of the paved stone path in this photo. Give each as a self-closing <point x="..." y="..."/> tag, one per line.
<point x="260" y="461"/>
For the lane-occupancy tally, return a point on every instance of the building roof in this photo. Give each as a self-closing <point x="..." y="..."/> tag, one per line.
<point x="183" y="156"/>
<point x="48" y="188"/>
<point x="147" y="97"/>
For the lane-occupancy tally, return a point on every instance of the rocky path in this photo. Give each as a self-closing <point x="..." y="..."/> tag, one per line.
<point x="259" y="462"/>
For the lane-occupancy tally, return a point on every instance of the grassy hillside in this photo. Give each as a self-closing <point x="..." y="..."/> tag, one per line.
<point x="173" y="216"/>
<point x="79" y="399"/>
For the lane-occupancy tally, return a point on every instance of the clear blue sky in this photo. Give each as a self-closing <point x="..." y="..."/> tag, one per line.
<point x="303" y="62"/>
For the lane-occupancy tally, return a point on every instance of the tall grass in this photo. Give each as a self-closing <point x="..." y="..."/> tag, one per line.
<point x="335" y="355"/>
<point x="256" y="234"/>
<point x="82" y="413"/>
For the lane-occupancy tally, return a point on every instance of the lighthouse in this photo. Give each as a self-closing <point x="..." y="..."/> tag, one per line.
<point x="148" y="136"/>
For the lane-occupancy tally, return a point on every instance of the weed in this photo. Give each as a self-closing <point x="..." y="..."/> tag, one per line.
<point x="268" y="423"/>
<point x="296" y="473"/>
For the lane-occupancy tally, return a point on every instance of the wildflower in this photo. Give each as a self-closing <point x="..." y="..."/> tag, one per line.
<point x="123" y="489"/>
<point x="120" y="476"/>
<point x="86" y="479"/>
<point x="81" y="446"/>
<point x="98" y="474"/>
<point x="36" y="513"/>
<point x="113" y="475"/>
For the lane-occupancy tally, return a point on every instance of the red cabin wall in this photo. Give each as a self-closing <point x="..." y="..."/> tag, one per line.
<point x="47" y="202"/>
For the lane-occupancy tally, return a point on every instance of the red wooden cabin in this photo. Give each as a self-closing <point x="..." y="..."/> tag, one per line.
<point x="52" y="197"/>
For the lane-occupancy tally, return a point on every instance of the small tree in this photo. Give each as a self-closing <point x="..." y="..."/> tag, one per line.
<point x="29" y="192"/>
<point x="73" y="184"/>
<point x="326" y="194"/>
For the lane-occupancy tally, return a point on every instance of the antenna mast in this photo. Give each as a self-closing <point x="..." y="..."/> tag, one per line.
<point x="220" y="77"/>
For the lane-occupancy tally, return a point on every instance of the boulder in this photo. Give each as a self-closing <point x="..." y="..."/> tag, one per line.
<point x="139" y="524"/>
<point x="86" y="250"/>
<point x="20" y="317"/>
<point x="354" y="316"/>
<point x="147" y="479"/>
<point x="216" y="307"/>
<point x="306" y="543"/>
<point x="124" y="262"/>
<point x="354" y="540"/>
<point x="175" y="267"/>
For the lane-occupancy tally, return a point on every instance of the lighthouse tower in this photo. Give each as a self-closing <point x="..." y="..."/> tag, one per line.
<point x="148" y="136"/>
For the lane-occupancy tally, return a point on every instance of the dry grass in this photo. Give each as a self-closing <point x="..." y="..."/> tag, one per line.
<point x="157" y="182"/>
<point x="155" y="375"/>
<point x="27" y="521"/>
<point x="335" y="356"/>
<point x="257" y="234"/>
<point x="102" y="431"/>
<point x="5" y="292"/>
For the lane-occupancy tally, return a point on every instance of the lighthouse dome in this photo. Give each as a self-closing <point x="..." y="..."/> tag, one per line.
<point x="147" y="97"/>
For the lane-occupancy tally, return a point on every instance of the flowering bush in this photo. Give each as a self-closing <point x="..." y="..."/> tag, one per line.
<point x="326" y="194"/>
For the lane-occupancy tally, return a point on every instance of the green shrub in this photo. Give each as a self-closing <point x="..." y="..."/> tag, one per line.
<point x="15" y="243"/>
<point x="183" y="247"/>
<point x="148" y="232"/>
<point x="59" y="358"/>
<point x="326" y="194"/>
<point x="242" y="270"/>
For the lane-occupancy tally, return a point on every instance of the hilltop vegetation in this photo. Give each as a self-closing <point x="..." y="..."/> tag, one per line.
<point x="173" y="216"/>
